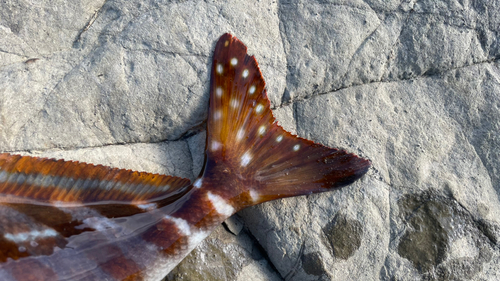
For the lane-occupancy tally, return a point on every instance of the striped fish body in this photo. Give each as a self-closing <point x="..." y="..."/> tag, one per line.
<point x="113" y="239"/>
<point x="63" y="220"/>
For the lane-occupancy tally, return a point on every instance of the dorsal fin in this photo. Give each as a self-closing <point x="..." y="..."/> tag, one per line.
<point x="57" y="215"/>
<point x="25" y="179"/>
<point x="64" y="220"/>
<point x="245" y="139"/>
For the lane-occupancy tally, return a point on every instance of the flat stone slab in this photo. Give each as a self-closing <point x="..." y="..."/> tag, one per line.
<point x="412" y="85"/>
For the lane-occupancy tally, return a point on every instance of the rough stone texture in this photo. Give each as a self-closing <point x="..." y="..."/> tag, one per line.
<point x="414" y="85"/>
<point x="224" y="256"/>
<point x="119" y="71"/>
<point x="344" y="236"/>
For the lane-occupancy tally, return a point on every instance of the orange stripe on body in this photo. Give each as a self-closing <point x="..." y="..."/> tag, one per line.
<point x="70" y="181"/>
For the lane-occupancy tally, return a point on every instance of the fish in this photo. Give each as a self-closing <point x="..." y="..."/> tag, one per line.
<point x="68" y="220"/>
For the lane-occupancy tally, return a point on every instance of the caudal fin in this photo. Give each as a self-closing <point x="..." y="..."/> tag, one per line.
<point x="253" y="155"/>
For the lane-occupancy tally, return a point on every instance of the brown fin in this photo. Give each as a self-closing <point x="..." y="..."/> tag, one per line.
<point x="25" y="179"/>
<point x="68" y="220"/>
<point x="244" y="138"/>
<point x="45" y="203"/>
<point x="65" y="214"/>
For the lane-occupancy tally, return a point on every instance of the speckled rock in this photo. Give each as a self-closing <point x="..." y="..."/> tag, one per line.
<point x="412" y="85"/>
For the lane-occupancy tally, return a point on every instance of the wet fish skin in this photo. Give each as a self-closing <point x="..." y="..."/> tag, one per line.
<point x="65" y="220"/>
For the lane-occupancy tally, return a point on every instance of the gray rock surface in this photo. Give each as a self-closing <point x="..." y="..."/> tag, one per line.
<point x="412" y="85"/>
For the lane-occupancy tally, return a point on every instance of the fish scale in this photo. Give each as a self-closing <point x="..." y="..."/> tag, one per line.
<point x="66" y="220"/>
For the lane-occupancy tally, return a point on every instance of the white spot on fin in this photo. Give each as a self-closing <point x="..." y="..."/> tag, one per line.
<point x="252" y="89"/>
<point x="296" y="147"/>
<point x="216" y="145"/>
<point x="245" y="159"/>
<point x="219" y="68"/>
<point x="262" y="130"/>
<point x="279" y="138"/>
<point x="254" y="195"/>
<point x="240" y="134"/>
<point x="220" y="205"/>
<point x="218" y="92"/>
<point x="234" y="103"/>
<point x="259" y="108"/>
<point x="234" y="61"/>
<point x="245" y="73"/>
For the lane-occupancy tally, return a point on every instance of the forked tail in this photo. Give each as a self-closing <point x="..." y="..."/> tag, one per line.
<point x="251" y="159"/>
<point x="63" y="220"/>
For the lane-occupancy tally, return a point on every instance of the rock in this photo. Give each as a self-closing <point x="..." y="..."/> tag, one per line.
<point x="344" y="236"/>
<point x="234" y="224"/>
<point x="225" y="257"/>
<point x="412" y="85"/>
<point x="118" y="65"/>
<point x="443" y="237"/>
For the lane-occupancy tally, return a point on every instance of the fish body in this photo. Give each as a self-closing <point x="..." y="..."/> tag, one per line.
<point x="64" y="220"/>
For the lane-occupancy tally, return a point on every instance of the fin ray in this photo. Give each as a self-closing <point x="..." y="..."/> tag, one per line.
<point x="41" y="180"/>
<point x="243" y="133"/>
<point x="69" y="220"/>
<point x="46" y="204"/>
